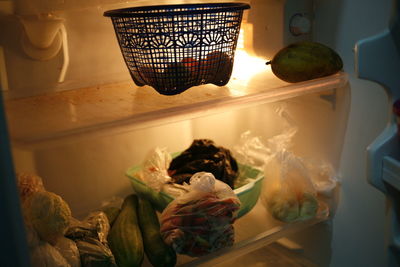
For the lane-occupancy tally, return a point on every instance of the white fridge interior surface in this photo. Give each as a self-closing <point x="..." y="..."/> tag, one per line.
<point x="97" y="165"/>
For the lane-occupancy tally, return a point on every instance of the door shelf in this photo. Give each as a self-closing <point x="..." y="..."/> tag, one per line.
<point x="391" y="171"/>
<point x="115" y="108"/>
<point x="253" y="231"/>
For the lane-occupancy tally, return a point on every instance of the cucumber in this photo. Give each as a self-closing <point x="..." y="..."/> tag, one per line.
<point x="111" y="213"/>
<point x="125" y="238"/>
<point x="158" y="253"/>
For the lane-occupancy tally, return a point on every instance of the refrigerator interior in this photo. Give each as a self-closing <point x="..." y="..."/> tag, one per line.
<point x="93" y="167"/>
<point x="82" y="134"/>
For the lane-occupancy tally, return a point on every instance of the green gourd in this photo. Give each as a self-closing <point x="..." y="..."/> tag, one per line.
<point x="125" y="238"/>
<point x="158" y="253"/>
<point x="304" y="61"/>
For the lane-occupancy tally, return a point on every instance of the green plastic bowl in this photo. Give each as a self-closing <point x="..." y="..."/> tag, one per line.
<point x="248" y="193"/>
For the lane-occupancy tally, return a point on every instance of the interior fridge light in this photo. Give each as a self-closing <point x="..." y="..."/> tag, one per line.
<point x="246" y="66"/>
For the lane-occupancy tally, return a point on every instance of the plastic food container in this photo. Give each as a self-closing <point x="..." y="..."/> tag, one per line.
<point x="248" y="193"/>
<point x="175" y="47"/>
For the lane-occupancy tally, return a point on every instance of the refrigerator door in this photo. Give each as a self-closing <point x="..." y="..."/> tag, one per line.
<point x="13" y="248"/>
<point x="360" y="224"/>
<point x="384" y="153"/>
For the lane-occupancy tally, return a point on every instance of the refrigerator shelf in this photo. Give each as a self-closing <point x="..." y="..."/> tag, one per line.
<point x="253" y="231"/>
<point x="391" y="171"/>
<point x="115" y="108"/>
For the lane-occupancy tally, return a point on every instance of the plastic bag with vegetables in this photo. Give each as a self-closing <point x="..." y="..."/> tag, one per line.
<point x="288" y="191"/>
<point x="28" y="184"/>
<point x="289" y="194"/>
<point x="200" y="221"/>
<point x="48" y="214"/>
<point x="45" y="255"/>
<point x="90" y="236"/>
<point x="155" y="168"/>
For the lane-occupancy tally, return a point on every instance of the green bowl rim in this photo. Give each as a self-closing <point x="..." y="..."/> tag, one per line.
<point x="238" y="191"/>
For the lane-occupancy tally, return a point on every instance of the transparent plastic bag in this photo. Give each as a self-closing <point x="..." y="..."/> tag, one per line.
<point x="28" y="184"/>
<point x="95" y="225"/>
<point x="45" y="255"/>
<point x="323" y="177"/>
<point x="200" y="221"/>
<point x="155" y="166"/>
<point x="291" y="183"/>
<point x="90" y="236"/>
<point x="289" y="194"/>
<point x="69" y="251"/>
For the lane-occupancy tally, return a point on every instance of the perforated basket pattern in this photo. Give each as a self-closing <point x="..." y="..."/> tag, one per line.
<point x="175" y="47"/>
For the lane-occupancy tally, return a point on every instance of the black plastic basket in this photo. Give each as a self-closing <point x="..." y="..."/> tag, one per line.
<point x="175" y="47"/>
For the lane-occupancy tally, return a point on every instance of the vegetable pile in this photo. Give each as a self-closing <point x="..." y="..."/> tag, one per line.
<point x="109" y="237"/>
<point x="204" y="155"/>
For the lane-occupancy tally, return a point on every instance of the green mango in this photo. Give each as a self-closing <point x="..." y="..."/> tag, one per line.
<point x="304" y="61"/>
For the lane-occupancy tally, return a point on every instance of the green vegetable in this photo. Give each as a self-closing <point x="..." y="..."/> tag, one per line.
<point x="283" y="206"/>
<point x="305" y="61"/>
<point x="158" y="253"/>
<point x="125" y="238"/>
<point x="308" y="207"/>
<point x="111" y="213"/>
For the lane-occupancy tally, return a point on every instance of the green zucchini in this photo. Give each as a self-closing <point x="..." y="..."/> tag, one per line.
<point x="125" y="238"/>
<point x="111" y="213"/>
<point x="158" y="253"/>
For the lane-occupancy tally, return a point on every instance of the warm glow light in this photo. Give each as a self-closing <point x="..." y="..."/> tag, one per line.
<point x="240" y="42"/>
<point x="246" y="66"/>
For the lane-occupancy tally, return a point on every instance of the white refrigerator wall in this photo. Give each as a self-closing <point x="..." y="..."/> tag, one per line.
<point x="91" y="170"/>
<point x="359" y="225"/>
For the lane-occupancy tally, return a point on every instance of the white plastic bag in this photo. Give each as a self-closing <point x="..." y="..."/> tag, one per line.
<point x="200" y="221"/>
<point x="45" y="255"/>
<point x="69" y="251"/>
<point x="323" y="177"/>
<point x="155" y="166"/>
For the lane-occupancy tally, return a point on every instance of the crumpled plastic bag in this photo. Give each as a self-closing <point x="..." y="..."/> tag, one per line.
<point x="155" y="166"/>
<point x="48" y="214"/>
<point x="200" y="221"/>
<point x="95" y="225"/>
<point x="90" y="236"/>
<point x="45" y="255"/>
<point x="323" y="176"/>
<point x="289" y="194"/>
<point x="69" y="251"/>
<point x="94" y="253"/>
<point x="28" y="184"/>
<point x="32" y="236"/>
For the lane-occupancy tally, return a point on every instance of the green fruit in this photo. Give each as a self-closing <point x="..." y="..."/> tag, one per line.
<point x="308" y="206"/>
<point x="283" y="206"/>
<point x="158" y="253"/>
<point x="125" y="238"/>
<point x="305" y="61"/>
<point x="111" y="213"/>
